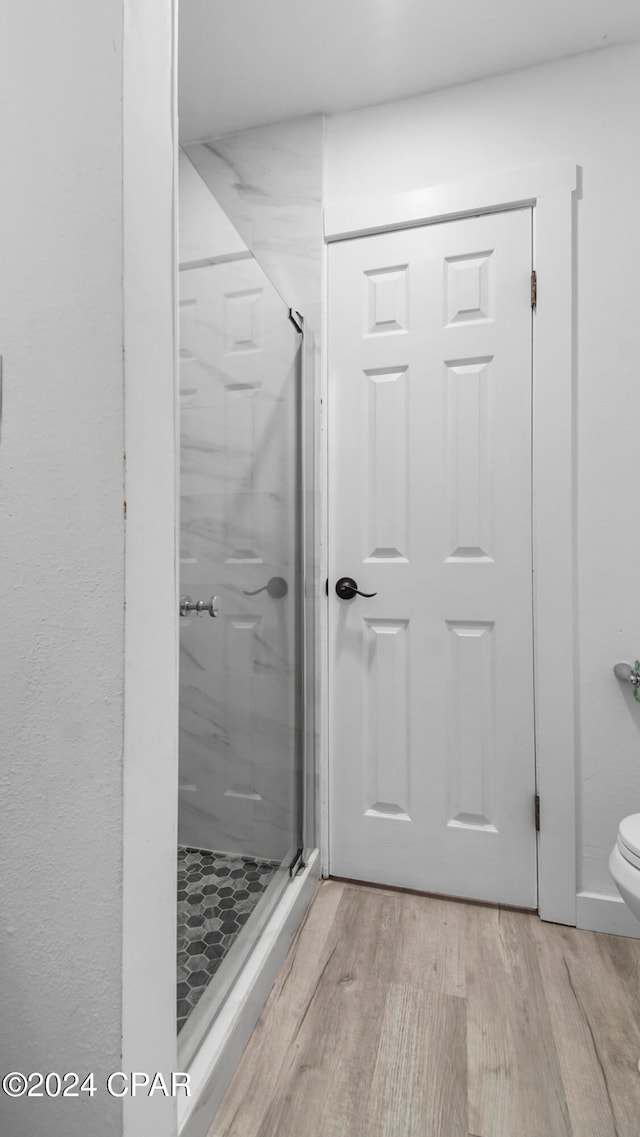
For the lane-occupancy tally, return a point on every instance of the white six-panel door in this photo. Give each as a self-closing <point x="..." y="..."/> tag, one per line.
<point x="432" y="773"/>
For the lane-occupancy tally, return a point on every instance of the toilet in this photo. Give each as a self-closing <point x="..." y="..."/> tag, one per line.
<point x="624" y="862"/>
<point x="624" y="865"/>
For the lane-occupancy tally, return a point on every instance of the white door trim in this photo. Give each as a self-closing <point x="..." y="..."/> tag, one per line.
<point x="150" y="764"/>
<point x="550" y="190"/>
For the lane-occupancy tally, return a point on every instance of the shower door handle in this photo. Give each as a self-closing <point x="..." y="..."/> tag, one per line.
<point x="346" y="589"/>
<point x="188" y="605"/>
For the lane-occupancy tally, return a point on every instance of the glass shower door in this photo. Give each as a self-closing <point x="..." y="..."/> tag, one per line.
<point x="240" y="791"/>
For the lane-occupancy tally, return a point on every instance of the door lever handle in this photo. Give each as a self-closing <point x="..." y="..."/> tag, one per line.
<point x="277" y="587"/>
<point x="346" y="589"/>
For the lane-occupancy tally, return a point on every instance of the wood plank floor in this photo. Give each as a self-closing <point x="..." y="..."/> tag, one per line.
<point x="405" y="1016"/>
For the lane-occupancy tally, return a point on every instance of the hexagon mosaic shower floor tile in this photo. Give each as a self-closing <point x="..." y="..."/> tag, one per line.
<point x="216" y="895"/>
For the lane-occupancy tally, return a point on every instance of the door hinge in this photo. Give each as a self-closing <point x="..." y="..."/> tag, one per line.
<point x="297" y="320"/>
<point x="536" y="812"/>
<point x="297" y="864"/>
<point x="534" y="288"/>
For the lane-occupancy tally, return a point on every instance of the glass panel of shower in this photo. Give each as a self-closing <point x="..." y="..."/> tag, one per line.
<point x="241" y="668"/>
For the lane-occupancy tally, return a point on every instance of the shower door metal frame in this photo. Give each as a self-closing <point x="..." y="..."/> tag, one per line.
<point x="310" y="523"/>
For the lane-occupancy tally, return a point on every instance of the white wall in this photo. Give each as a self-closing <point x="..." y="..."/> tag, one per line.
<point x="62" y="559"/>
<point x="587" y="109"/>
<point x="88" y="869"/>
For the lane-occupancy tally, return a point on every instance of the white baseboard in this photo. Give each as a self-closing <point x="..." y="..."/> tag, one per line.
<point x="214" y="1064"/>
<point x="600" y="912"/>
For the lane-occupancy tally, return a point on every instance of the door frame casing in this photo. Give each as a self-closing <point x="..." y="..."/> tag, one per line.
<point x="549" y="191"/>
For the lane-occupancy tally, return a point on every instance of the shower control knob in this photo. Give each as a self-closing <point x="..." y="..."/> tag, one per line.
<point x="188" y="605"/>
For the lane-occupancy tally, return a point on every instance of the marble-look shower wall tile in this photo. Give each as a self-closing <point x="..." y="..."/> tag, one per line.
<point x="203" y="224"/>
<point x="238" y="542"/>
<point x="269" y="183"/>
<point x="241" y="447"/>
<point x="240" y="497"/>
<point x="238" y="752"/>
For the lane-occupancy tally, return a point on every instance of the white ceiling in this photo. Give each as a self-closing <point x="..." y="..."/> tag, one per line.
<point x="246" y="63"/>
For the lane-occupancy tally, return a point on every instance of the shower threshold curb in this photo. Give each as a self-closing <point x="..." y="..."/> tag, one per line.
<point x="215" y="1062"/>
